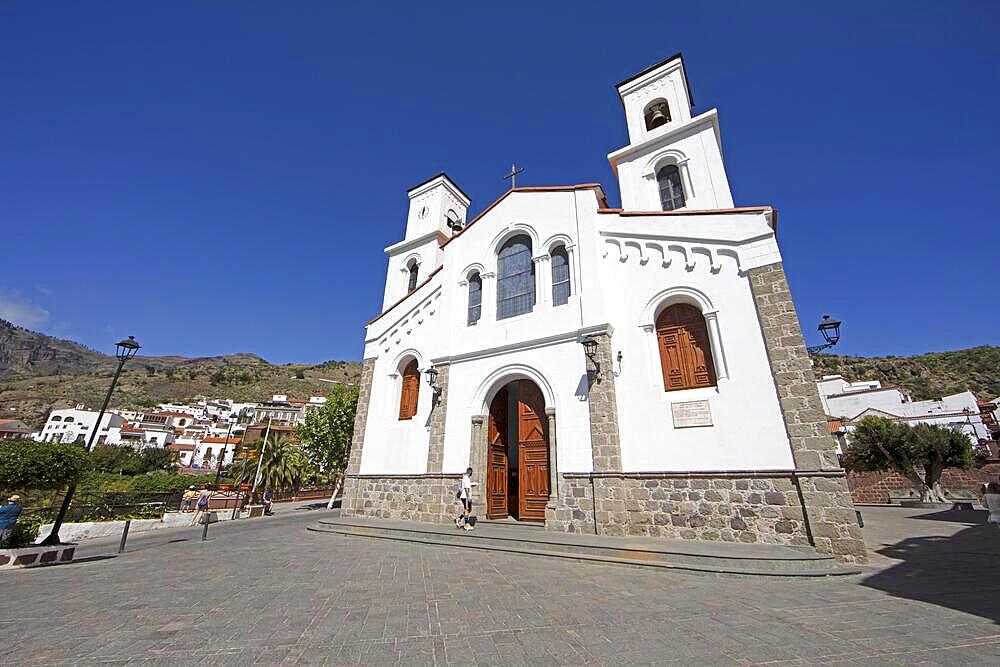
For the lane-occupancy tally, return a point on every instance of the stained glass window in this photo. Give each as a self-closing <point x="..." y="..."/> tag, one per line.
<point x="560" y="276"/>
<point x="515" y="278"/>
<point x="475" y="298"/>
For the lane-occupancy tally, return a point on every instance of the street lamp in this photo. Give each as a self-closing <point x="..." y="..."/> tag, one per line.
<point x="590" y="350"/>
<point x="124" y="350"/>
<point x="432" y="376"/>
<point x="225" y="445"/>
<point x="830" y="328"/>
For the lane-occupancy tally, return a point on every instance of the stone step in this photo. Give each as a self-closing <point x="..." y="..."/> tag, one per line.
<point x="697" y="556"/>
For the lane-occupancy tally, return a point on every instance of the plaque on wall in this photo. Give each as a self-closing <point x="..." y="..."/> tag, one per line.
<point x="691" y="413"/>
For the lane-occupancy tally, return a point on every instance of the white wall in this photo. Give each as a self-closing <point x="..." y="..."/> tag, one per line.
<point x="748" y="429"/>
<point x="617" y="272"/>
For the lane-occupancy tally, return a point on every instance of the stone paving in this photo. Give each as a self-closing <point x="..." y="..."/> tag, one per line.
<point x="269" y="592"/>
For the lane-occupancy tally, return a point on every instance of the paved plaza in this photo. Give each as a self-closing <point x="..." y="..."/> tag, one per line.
<point x="269" y="592"/>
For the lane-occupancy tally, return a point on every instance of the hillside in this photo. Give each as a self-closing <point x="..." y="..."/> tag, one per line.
<point x="925" y="376"/>
<point x="39" y="373"/>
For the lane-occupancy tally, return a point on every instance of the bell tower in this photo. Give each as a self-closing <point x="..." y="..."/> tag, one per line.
<point x="673" y="160"/>
<point x="436" y="205"/>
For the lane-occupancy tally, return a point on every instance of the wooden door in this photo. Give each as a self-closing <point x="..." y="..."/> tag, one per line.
<point x="533" y="453"/>
<point x="496" y="458"/>
<point x="685" y="355"/>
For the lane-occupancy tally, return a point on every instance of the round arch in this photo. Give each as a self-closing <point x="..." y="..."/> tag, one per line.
<point x="512" y="230"/>
<point x="467" y="272"/>
<point x="397" y="364"/>
<point x="673" y="295"/>
<point x="496" y="380"/>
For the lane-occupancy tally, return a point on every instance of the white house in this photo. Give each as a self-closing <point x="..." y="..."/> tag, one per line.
<point x="850" y="401"/>
<point x="631" y="371"/>
<point x="76" y="425"/>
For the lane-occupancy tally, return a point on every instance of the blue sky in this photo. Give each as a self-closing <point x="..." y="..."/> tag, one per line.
<point x="222" y="177"/>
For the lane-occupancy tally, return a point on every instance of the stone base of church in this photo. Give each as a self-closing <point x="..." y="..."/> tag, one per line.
<point x="749" y="507"/>
<point x="779" y="507"/>
<point x="741" y="507"/>
<point x="428" y="498"/>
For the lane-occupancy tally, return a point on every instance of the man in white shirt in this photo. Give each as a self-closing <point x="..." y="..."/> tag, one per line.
<point x="465" y="495"/>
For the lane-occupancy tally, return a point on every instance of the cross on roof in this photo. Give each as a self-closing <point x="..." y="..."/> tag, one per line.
<point x="514" y="171"/>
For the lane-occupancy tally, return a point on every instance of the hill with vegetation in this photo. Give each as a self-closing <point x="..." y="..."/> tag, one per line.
<point x="924" y="376"/>
<point x="39" y="373"/>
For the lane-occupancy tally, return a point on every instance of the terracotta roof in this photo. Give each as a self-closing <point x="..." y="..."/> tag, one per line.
<point x="171" y="413"/>
<point x="218" y="441"/>
<point x="179" y="446"/>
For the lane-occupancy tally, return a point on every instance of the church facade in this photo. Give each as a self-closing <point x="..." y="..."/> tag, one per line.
<point x="619" y="371"/>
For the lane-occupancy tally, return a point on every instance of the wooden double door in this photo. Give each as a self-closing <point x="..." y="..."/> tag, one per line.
<point x="517" y="476"/>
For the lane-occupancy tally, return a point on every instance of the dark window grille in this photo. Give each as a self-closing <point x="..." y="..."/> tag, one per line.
<point x="671" y="191"/>
<point x="475" y="298"/>
<point x="414" y="271"/>
<point x="560" y="276"/>
<point x="516" y="278"/>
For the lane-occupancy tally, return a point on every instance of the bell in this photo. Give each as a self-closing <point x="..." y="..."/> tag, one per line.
<point x="657" y="116"/>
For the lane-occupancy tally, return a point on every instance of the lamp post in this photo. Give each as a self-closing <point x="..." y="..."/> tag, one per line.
<point x="124" y="350"/>
<point x="225" y="446"/>
<point x="830" y="328"/>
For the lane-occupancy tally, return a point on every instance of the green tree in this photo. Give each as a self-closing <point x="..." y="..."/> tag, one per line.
<point x="326" y="433"/>
<point x="126" y="460"/>
<point x="920" y="453"/>
<point x="25" y="464"/>
<point x="282" y="466"/>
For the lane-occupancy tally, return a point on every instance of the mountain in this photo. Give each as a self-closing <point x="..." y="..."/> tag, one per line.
<point x="925" y="376"/>
<point x="39" y="373"/>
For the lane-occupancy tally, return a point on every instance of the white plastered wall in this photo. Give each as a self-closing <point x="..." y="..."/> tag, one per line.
<point x="668" y="262"/>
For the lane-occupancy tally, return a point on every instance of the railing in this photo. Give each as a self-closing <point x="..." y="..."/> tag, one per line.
<point x="103" y="506"/>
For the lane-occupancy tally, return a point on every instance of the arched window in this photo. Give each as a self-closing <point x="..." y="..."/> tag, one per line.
<point x="657" y="113"/>
<point x="685" y="354"/>
<point x="475" y="298"/>
<point x="668" y="178"/>
<point x="560" y="276"/>
<point x="515" y="278"/>
<point x="69" y="419"/>
<point x="414" y="270"/>
<point x="57" y="418"/>
<point x="410" y="391"/>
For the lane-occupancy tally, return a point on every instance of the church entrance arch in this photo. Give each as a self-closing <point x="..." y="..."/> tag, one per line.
<point x="517" y="456"/>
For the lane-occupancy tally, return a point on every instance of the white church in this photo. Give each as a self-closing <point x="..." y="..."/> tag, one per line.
<point x="614" y="371"/>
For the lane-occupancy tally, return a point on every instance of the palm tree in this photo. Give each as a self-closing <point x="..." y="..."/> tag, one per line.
<point x="282" y="466"/>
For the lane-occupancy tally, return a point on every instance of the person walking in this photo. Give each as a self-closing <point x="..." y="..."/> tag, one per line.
<point x="201" y="506"/>
<point x="465" y="519"/>
<point x="8" y="517"/>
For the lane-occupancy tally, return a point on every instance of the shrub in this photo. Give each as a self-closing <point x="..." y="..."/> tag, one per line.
<point x="25" y="464"/>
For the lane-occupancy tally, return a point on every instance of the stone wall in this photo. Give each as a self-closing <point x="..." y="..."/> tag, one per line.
<point x="349" y="497"/>
<point x="427" y="498"/>
<point x="730" y="507"/>
<point x="439" y="410"/>
<point x="874" y="487"/>
<point x="829" y="515"/>
<point x="604" y="435"/>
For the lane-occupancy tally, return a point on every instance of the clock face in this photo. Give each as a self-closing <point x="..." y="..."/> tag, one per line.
<point x="422" y="213"/>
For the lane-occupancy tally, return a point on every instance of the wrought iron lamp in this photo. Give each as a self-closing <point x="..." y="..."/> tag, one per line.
<point x="590" y="350"/>
<point x="830" y="328"/>
<point x="432" y="376"/>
